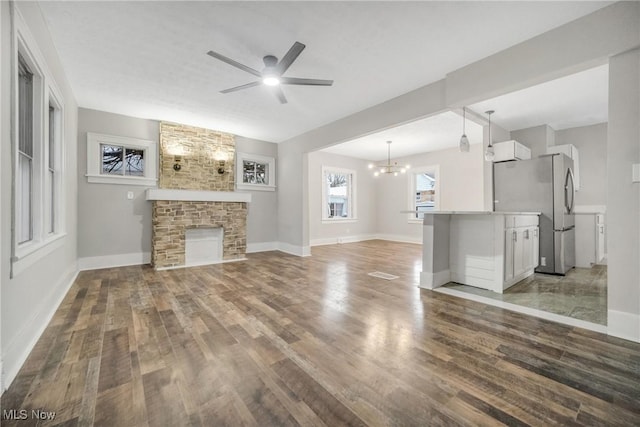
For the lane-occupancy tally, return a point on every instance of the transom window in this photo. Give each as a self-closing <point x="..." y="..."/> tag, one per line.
<point x="338" y="194"/>
<point x="255" y="172"/>
<point x="121" y="160"/>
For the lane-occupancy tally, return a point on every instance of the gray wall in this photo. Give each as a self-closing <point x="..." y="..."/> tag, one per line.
<point x="591" y="142"/>
<point x="559" y="52"/>
<point x="262" y="217"/>
<point x="29" y="299"/>
<point x="623" y="196"/>
<point x="365" y="225"/>
<point x="109" y="223"/>
<point x="536" y="138"/>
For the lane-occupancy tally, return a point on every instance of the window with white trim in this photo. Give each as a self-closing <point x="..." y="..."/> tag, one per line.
<point x="121" y="160"/>
<point x="424" y="191"/>
<point x="38" y="148"/>
<point x="338" y="194"/>
<point x="255" y="172"/>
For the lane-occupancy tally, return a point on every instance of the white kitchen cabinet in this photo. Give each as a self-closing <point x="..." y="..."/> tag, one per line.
<point x="590" y="239"/>
<point x="521" y="253"/>
<point x="571" y="151"/>
<point x="600" y="239"/>
<point x="488" y="250"/>
<point x="510" y="150"/>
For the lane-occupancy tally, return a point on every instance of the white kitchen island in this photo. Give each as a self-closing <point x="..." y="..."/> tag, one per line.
<point x="489" y="250"/>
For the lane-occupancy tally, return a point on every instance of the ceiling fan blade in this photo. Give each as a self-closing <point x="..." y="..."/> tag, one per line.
<point x="277" y="91"/>
<point x="289" y="57"/>
<point x="248" y="85"/>
<point x="234" y="63"/>
<point x="308" y="82"/>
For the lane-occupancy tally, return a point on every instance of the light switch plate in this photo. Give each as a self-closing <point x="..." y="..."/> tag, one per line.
<point x="636" y="173"/>
<point x="130" y="195"/>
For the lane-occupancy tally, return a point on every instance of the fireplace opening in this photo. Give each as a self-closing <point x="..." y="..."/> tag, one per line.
<point x="203" y="246"/>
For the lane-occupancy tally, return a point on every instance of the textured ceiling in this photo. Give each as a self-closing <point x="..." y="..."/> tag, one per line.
<point x="576" y="100"/>
<point x="148" y="59"/>
<point x="431" y="134"/>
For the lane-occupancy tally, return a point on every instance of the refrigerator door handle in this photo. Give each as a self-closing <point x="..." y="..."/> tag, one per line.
<point x="569" y="190"/>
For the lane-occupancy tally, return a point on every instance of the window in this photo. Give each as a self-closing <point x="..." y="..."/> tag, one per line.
<point x="24" y="174"/>
<point x="37" y="147"/>
<point x="338" y="194"/>
<point x="424" y="191"/>
<point x="255" y="172"/>
<point x="121" y="160"/>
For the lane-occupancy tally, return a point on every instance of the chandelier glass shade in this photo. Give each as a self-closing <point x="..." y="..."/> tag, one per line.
<point x="389" y="168"/>
<point x="464" y="141"/>
<point x="489" y="153"/>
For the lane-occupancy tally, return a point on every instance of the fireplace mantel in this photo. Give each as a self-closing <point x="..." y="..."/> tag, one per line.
<point x="197" y="195"/>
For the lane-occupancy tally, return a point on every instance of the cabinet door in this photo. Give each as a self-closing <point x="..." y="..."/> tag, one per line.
<point x="535" y="253"/>
<point x="527" y="249"/>
<point x="519" y="244"/>
<point x="510" y="236"/>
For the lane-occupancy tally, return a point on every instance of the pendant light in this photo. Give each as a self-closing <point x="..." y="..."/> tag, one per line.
<point x="389" y="168"/>
<point x="464" y="141"/>
<point x="489" y="154"/>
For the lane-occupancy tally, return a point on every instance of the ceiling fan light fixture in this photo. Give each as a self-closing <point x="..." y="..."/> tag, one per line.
<point x="271" y="80"/>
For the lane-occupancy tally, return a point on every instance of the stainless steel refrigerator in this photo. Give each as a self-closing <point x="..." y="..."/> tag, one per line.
<point x="544" y="184"/>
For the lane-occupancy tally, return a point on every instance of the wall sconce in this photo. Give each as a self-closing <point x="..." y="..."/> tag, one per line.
<point x="176" y="165"/>
<point x="221" y="158"/>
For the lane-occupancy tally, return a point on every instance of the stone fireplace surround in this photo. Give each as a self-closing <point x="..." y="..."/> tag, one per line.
<point x="175" y="211"/>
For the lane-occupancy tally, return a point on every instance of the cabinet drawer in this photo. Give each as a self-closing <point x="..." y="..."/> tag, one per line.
<point x="525" y="220"/>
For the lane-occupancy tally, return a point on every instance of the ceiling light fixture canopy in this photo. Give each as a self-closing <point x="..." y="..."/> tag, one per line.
<point x="489" y="154"/>
<point x="464" y="141"/>
<point x="389" y="168"/>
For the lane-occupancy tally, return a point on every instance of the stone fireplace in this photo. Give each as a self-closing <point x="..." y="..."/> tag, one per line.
<point x="196" y="195"/>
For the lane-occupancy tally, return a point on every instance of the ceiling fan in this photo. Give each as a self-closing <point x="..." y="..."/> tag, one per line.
<point x="272" y="74"/>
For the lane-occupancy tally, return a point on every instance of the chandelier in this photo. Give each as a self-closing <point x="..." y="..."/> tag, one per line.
<point x="389" y="168"/>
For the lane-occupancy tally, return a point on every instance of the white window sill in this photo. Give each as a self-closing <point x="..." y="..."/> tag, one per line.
<point x="122" y="180"/>
<point x="255" y="187"/>
<point x="339" y="220"/>
<point x="29" y="254"/>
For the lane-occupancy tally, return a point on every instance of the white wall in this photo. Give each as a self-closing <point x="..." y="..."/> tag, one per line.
<point x="591" y="142"/>
<point x="461" y="188"/>
<point x="30" y="298"/>
<point x="112" y="230"/>
<point x="623" y="196"/>
<point x="366" y="185"/>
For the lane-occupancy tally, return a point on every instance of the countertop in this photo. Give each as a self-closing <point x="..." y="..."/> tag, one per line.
<point x="475" y="213"/>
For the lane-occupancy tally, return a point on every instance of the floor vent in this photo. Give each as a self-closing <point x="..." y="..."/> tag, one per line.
<point x="382" y="275"/>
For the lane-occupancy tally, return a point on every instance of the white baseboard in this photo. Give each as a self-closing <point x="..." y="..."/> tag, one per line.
<point x="434" y="280"/>
<point x="342" y="239"/>
<point x="623" y="325"/>
<point x="294" y="249"/>
<point x="399" y="238"/>
<point x="17" y="351"/>
<point x="109" y="261"/>
<point x="261" y="247"/>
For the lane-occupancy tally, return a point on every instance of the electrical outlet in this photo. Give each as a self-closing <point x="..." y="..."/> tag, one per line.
<point x="130" y="195"/>
<point x="543" y="261"/>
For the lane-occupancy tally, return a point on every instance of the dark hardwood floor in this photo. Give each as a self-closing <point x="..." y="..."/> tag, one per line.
<point x="281" y="340"/>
